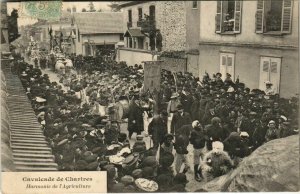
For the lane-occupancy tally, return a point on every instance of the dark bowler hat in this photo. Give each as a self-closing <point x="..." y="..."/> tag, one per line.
<point x="81" y="165"/>
<point x="166" y="159"/>
<point x="127" y="180"/>
<point x="180" y="178"/>
<point x="150" y="161"/>
<point x="92" y="166"/>
<point x="137" y="173"/>
<point x="91" y="158"/>
<point x="147" y="172"/>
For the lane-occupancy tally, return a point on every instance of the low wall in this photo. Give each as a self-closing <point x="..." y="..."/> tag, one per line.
<point x="192" y="64"/>
<point x="174" y="64"/>
<point x="7" y="163"/>
<point x="133" y="56"/>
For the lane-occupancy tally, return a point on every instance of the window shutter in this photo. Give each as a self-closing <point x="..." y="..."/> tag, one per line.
<point x="274" y="67"/>
<point x="266" y="66"/>
<point x="286" y="21"/>
<point x="229" y="61"/>
<point x="219" y="17"/>
<point x="237" y="16"/>
<point x="224" y="60"/>
<point x="259" y="20"/>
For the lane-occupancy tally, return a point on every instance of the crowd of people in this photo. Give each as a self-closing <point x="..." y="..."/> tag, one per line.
<point x="223" y="122"/>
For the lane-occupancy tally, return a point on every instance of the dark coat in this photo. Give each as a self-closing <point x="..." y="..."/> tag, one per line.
<point x="185" y="130"/>
<point x="214" y="133"/>
<point x="178" y="121"/>
<point x="195" y="110"/>
<point x="201" y="108"/>
<point x="135" y="118"/>
<point x="187" y="103"/>
<point x="158" y="129"/>
<point x="197" y="139"/>
<point x="208" y="114"/>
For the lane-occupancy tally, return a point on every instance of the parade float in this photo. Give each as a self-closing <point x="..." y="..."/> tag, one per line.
<point x="273" y="167"/>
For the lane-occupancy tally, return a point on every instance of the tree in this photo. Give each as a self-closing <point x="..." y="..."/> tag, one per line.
<point x="83" y="10"/>
<point x="114" y="6"/>
<point x="92" y="7"/>
<point x="12" y="24"/>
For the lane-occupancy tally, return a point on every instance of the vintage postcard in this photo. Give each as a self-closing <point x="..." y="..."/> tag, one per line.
<point x="149" y="96"/>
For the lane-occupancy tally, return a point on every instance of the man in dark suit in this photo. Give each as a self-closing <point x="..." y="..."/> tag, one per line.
<point x="135" y="117"/>
<point x="158" y="128"/>
<point x="179" y="119"/>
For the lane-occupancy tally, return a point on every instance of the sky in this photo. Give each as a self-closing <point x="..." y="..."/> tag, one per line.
<point x="24" y="20"/>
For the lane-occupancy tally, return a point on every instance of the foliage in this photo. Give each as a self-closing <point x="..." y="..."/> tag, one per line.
<point x="114" y="6"/>
<point x="92" y="7"/>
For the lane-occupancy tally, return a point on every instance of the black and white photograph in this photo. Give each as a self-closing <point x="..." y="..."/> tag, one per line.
<point x="162" y="96"/>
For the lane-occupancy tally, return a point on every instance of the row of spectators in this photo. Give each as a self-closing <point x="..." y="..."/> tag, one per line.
<point x="222" y="120"/>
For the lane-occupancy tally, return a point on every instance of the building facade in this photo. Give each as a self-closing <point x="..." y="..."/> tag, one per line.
<point x="4" y="28"/>
<point x="256" y="41"/>
<point x="192" y="36"/>
<point x="97" y="30"/>
<point x="151" y="27"/>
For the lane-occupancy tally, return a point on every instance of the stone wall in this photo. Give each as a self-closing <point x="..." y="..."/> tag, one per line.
<point x="172" y="23"/>
<point x="174" y="64"/>
<point x="7" y="164"/>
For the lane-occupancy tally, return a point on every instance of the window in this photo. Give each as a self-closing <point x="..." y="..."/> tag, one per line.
<point x="78" y="36"/>
<point x="152" y="12"/>
<point x="274" y="16"/>
<point x="147" y="46"/>
<point x="140" y="10"/>
<point x="227" y="64"/>
<point x="228" y="16"/>
<point x="121" y="36"/>
<point x="130" y="42"/>
<point x="194" y="4"/>
<point x="140" y="43"/>
<point x="134" y="42"/>
<point x="270" y="71"/>
<point x="130" y="16"/>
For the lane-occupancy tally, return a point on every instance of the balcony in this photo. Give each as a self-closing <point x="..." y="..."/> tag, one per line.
<point x="129" y="24"/>
<point x="146" y="25"/>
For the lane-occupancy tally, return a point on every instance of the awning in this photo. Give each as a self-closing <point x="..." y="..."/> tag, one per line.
<point x="134" y="33"/>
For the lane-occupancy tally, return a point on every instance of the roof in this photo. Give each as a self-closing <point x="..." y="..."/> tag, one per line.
<point x="134" y="33"/>
<point x="130" y="3"/>
<point x="99" y="22"/>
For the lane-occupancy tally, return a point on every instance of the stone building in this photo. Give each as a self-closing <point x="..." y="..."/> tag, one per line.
<point x="256" y="41"/>
<point x="141" y="22"/>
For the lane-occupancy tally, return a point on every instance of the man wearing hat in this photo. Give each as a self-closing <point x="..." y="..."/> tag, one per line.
<point x="158" y="128"/>
<point x="214" y="132"/>
<point x="180" y="118"/>
<point x="197" y="139"/>
<point x="271" y="131"/>
<point x="135" y="117"/>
